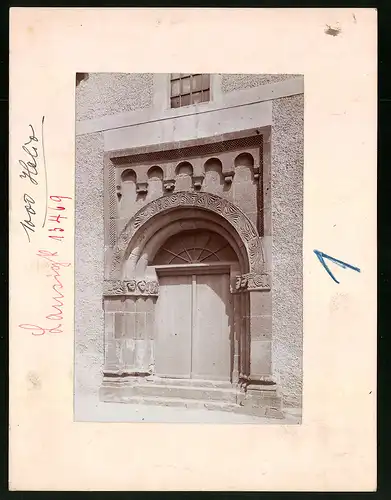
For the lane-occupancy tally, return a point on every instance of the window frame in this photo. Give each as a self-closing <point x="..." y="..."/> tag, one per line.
<point x="170" y="97"/>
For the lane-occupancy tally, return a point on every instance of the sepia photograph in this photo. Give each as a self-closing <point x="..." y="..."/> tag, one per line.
<point x="188" y="248"/>
<point x="201" y="249"/>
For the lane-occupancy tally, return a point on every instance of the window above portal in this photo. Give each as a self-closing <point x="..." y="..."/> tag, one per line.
<point x="187" y="89"/>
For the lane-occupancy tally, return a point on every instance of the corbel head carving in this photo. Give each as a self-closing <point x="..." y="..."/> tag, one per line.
<point x="197" y="181"/>
<point x="228" y="176"/>
<point x="169" y="184"/>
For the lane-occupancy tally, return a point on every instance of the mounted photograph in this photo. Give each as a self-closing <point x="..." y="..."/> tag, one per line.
<point x="188" y="248"/>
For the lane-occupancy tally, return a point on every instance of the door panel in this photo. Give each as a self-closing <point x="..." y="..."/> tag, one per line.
<point x="212" y="323"/>
<point x="173" y="327"/>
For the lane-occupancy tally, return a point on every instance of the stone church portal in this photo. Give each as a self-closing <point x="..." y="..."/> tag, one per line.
<point x="187" y="291"/>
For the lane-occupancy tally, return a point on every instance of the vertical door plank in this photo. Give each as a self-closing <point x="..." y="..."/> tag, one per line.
<point x="211" y="351"/>
<point x="173" y="327"/>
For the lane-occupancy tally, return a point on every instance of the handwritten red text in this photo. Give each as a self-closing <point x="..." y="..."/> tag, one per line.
<point x="57" y="218"/>
<point x="58" y="304"/>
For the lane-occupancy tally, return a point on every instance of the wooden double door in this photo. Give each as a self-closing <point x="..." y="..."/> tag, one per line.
<point x="193" y="326"/>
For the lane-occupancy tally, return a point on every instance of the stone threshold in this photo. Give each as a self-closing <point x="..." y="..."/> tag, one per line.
<point x="199" y="404"/>
<point x="193" y="394"/>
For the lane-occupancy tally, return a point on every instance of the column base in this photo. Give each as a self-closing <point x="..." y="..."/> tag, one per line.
<point x="260" y="397"/>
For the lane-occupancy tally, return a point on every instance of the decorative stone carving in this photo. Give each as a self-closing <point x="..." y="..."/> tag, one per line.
<point x="242" y="224"/>
<point x="142" y="187"/>
<point x="118" y="191"/>
<point x="111" y="193"/>
<point x="113" y="287"/>
<point x="142" y="287"/>
<point x="112" y="203"/>
<point x="112" y="225"/>
<point x="192" y="149"/>
<point x="228" y="176"/>
<point x="131" y="287"/>
<point x="197" y="181"/>
<point x="255" y="252"/>
<point x="169" y="184"/>
<point x="252" y="281"/>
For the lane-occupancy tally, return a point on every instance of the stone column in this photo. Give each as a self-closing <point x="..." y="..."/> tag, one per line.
<point x="244" y="337"/>
<point x="237" y="315"/>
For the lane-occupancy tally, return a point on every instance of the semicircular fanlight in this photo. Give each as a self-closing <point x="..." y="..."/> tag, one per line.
<point x="195" y="247"/>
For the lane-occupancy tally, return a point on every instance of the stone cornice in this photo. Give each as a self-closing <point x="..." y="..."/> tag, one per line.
<point x="187" y="149"/>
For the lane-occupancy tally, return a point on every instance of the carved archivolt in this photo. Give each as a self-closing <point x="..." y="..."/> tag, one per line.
<point x="240" y="222"/>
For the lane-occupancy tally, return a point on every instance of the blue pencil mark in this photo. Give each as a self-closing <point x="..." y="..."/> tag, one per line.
<point x="322" y="256"/>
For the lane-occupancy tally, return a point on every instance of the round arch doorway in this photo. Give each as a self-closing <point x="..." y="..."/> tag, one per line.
<point x="194" y="315"/>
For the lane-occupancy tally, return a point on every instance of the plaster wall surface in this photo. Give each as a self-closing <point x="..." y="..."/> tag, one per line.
<point x="97" y="97"/>
<point x="89" y="265"/>
<point x="103" y="94"/>
<point x="232" y="82"/>
<point x="287" y="227"/>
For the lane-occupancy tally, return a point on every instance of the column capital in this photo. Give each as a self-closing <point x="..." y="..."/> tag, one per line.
<point x="252" y="282"/>
<point x="138" y="287"/>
